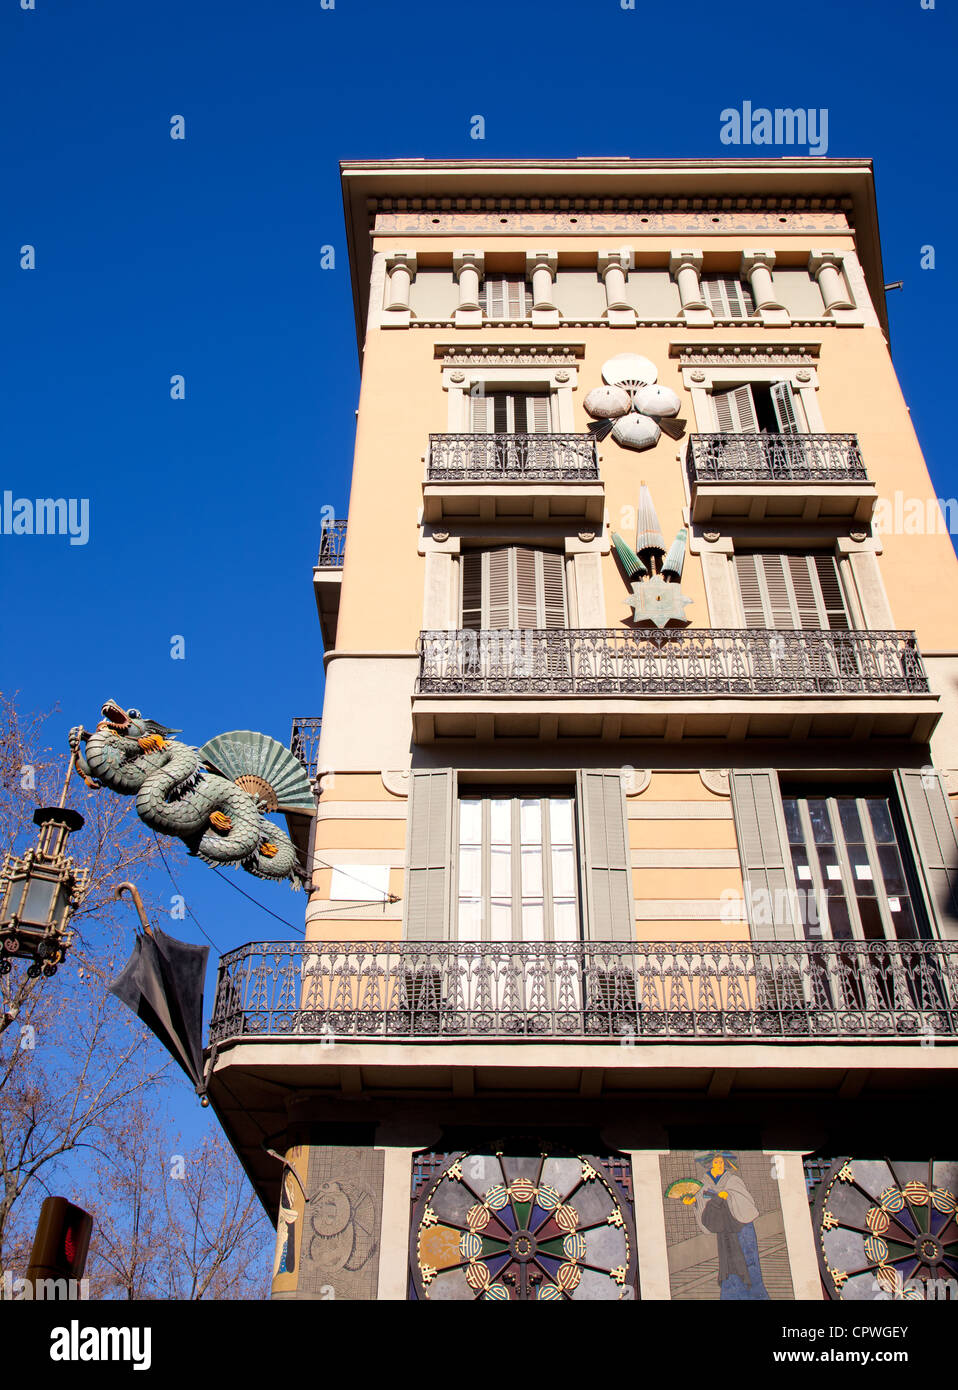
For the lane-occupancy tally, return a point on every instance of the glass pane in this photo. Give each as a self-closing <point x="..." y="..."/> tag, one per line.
<point x="500" y="921"/>
<point x="851" y="825"/>
<point x="501" y="872"/>
<point x="470" y="871"/>
<point x="881" y="820"/>
<point x="871" y="919"/>
<point x="565" y="922"/>
<point x="891" y="869"/>
<point x="470" y="822"/>
<point x="530" y="819"/>
<point x="532" y="922"/>
<point x="838" y="925"/>
<point x="500" y="813"/>
<point x="563" y="873"/>
<point x="903" y="919"/>
<point x="821" y="825"/>
<point x="793" y="821"/>
<point x="531" y="872"/>
<point x="470" y="919"/>
<point x="39" y="901"/>
<point x="560" y="813"/>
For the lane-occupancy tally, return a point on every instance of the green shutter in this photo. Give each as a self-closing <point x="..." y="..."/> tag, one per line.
<point x="763" y="850"/>
<point x="428" y="855"/>
<point x="936" y="840"/>
<point x="606" y="862"/>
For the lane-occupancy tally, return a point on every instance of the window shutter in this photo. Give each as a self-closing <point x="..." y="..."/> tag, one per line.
<point x="760" y="831"/>
<point x="714" y="297"/>
<point x="527" y="614"/>
<point x="428" y="855"/>
<point x="498" y="611"/>
<point x="746" y="572"/>
<point x="741" y="303"/>
<point x="783" y="404"/>
<point x="806" y="612"/>
<point x="553" y="605"/>
<point x="500" y="412"/>
<point x="515" y="299"/>
<point x="481" y="414"/>
<point x="735" y="411"/>
<point x="471" y="563"/>
<point x="833" y="598"/>
<point x="607" y="866"/>
<point x="493" y="301"/>
<point x="538" y="414"/>
<point x="933" y="828"/>
<point x="727" y="296"/>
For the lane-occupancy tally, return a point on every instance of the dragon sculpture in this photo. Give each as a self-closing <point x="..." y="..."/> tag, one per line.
<point x="212" y="798"/>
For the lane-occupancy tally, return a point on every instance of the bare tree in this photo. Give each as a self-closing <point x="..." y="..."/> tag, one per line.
<point x="72" y="1058"/>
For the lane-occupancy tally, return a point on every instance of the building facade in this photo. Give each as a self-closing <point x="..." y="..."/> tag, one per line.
<point x="631" y="959"/>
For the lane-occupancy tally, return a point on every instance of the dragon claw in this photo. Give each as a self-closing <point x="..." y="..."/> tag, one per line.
<point x="220" y="822"/>
<point x="268" y="849"/>
<point x="152" y="743"/>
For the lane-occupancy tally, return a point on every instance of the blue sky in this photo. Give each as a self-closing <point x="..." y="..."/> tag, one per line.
<point x="201" y="257"/>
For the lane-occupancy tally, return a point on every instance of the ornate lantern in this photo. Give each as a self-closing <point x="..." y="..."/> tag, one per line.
<point x="38" y="891"/>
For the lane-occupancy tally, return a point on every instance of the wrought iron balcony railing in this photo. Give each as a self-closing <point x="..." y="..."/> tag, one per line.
<point x="772" y="458"/>
<point x="516" y="457"/>
<point x="828" y="991"/>
<point x="332" y="545"/>
<point x="649" y="661"/>
<point x="304" y="741"/>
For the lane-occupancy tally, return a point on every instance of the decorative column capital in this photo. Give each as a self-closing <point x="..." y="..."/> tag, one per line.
<point x="754" y="259"/>
<point x="542" y="260"/>
<point x="679" y="259"/>
<point x="468" y="260"/>
<point x="619" y="259"/>
<point x="405" y="260"/>
<point x="819" y="259"/>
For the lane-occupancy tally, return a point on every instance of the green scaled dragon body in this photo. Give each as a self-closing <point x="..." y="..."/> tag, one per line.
<point x="180" y="792"/>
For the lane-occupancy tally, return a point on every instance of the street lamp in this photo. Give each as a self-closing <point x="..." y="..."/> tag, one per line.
<point x="38" y="891"/>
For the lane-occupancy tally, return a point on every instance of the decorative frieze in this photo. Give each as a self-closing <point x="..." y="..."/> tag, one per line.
<point x="626" y="216"/>
<point x="510" y="354"/>
<point x="749" y="354"/>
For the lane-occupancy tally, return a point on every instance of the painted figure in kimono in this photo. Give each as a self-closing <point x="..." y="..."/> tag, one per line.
<point x="725" y="1208"/>
<point x="285" y="1262"/>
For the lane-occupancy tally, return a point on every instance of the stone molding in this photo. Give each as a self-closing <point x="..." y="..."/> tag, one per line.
<point x="749" y="354"/>
<point x="509" y="354"/>
<point x="396" y="781"/>
<point x="716" y="779"/>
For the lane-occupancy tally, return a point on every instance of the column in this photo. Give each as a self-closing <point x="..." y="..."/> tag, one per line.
<point x="613" y="267"/>
<point x="685" y="268"/>
<point x="826" y="266"/>
<point x="400" y="268"/>
<point x="541" y="265"/>
<point x="468" y="266"/>
<point x="756" y="269"/>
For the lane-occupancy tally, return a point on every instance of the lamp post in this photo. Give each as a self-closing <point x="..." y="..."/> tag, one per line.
<point x="38" y="892"/>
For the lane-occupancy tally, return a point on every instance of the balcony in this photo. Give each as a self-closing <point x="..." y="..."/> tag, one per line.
<point x="304" y="741"/>
<point x="512" y="477"/>
<point x="328" y="578"/>
<point x="825" y="991"/>
<point x="778" y="477"/>
<point x="705" y="683"/>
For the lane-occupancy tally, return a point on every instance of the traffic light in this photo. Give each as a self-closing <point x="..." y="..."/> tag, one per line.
<point x="62" y="1240"/>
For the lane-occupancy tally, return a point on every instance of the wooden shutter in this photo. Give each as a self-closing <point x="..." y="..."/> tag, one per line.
<point x="553" y="604"/>
<point x="791" y="590"/>
<point x="500" y="412"/>
<point x="538" y="414"/>
<point x="497" y="608"/>
<point x="606" y="861"/>
<point x="493" y="296"/>
<point x="471" y="569"/>
<point x="527" y="609"/>
<point x="735" y="411"/>
<point x="481" y="414"/>
<point x="763" y="850"/>
<point x="783" y="403"/>
<point x="515" y="298"/>
<point x="936" y="840"/>
<point x="727" y="296"/>
<point x="428" y="855"/>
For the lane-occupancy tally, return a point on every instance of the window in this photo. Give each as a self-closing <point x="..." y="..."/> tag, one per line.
<point x="511" y="412"/>
<point x="849" y="859"/>
<point x="505" y="296"/>
<point x="791" y="590"/>
<point x="728" y="297"/>
<point x="758" y="407"/>
<point x="517" y="869"/>
<point x="513" y="586"/>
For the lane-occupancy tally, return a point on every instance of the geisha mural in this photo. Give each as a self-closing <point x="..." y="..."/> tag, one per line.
<point x="724" y="1227"/>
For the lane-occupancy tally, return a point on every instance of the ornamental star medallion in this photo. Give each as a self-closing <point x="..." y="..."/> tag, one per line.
<point x="657" y="602"/>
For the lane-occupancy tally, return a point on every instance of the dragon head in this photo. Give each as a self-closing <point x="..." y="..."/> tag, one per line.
<point x="129" y="723"/>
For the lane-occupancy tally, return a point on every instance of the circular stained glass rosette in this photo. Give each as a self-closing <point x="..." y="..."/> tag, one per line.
<point x="541" y="1226"/>
<point x="888" y="1226"/>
